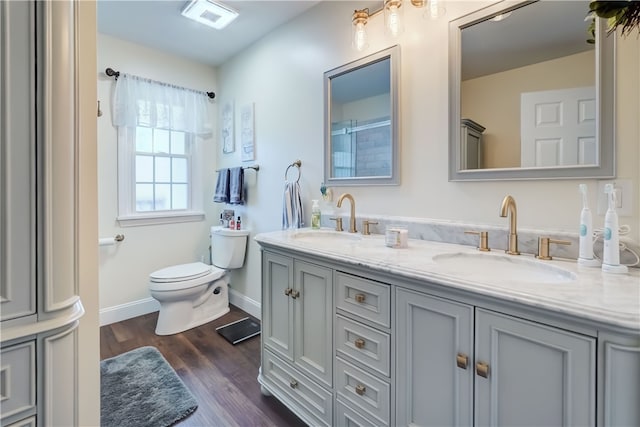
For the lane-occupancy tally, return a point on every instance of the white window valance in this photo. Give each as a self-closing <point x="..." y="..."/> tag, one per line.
<point x="144" y="102"/>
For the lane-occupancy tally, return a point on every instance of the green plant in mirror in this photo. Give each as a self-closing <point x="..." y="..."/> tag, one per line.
<point x="623" y="14"/>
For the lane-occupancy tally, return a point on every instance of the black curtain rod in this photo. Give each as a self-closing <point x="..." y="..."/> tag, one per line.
<point x="113" y="73"/>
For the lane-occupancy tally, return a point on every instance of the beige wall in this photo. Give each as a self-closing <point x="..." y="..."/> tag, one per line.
<point x="282" y="74"/>
<point x="125" y="268"/>
<point x="494" y="101"/>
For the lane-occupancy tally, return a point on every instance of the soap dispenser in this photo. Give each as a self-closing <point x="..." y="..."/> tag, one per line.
<point x="315" y="215"/>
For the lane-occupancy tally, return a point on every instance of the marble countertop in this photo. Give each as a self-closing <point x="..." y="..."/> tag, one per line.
<point x="582" y="292"/>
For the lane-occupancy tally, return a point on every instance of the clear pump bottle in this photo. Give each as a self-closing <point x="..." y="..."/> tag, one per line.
<point x="315" y="215"/>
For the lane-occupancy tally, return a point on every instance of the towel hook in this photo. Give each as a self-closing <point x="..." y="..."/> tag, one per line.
<point x="297" y="164"/>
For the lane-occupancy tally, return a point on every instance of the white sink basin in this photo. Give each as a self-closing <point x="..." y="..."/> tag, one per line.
<point x="502" y="268"/>
<point x="320" y="236"/>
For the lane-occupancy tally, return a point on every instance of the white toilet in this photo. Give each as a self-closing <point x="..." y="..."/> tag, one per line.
<point x="193" y="294"/>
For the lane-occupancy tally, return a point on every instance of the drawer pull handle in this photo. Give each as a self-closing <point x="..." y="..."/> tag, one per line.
<point x="360" y="389"/>
<point x="482" y="369"/>
<point x="288" y="291"/>
<point x="462" y="360"/>
<point x="360" y="298"/>
<point x="359" y="343"/>
<point x="293" y="384"/>
<point x="295" y="294"/>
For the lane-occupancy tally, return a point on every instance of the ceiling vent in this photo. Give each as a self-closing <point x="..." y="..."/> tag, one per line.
<point x="207" y="12"/>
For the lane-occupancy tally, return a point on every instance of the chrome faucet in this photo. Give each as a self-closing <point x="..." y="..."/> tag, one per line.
<point x="509" y="208"/>
<point x="352" y="219"/>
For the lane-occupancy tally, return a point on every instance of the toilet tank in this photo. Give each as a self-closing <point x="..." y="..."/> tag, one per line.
<point x="228" y="247"/>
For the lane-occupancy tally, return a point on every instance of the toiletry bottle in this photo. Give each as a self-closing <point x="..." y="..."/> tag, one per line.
<point x="238" y="222"/>
<point x="232" y="224"/>
<point x="585" y="256"/>
<point x="221" y="221"/>
<point x="611" y="251"/>
<point x="315" y="215"/>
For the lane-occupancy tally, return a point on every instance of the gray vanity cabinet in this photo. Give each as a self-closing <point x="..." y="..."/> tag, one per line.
<point x="525" y="373"/>
<point x="351" y="346"/>
<point x="618" y="380"/>
<point x="297" y="333"/>
<point x="532" y="374"/>
<point x="434" y="346"/>
<point x="277" y="314"/>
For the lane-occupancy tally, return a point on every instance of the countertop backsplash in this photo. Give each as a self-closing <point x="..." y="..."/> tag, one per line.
<point x="454" y="232"/>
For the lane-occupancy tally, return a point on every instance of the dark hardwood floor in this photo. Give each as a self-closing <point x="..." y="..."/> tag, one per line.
<point x="221" y="376"/>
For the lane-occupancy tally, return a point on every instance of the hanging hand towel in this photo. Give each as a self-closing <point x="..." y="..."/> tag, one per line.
<point x="292" y="215"/>
<point x="236" y="186"/>
<point x="222" y="187"/>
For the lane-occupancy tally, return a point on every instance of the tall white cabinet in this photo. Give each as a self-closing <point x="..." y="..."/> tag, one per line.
<point x="39" y="302"/>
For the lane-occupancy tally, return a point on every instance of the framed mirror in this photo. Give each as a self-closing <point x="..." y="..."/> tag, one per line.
<point x="361" y="121"/>
<point x="529" y="97"/>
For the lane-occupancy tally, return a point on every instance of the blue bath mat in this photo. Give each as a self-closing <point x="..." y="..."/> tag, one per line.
<point x="140" y="389"/>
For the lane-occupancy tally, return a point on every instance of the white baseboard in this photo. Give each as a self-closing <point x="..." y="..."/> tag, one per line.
<point x="128" y="310"/>
<point x="132" y="309"/>
<point x="245" y="303"/>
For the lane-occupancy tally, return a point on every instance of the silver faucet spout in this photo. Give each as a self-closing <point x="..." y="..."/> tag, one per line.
<point x="508" y="208"/>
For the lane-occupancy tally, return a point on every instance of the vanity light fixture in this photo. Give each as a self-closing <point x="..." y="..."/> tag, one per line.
<point x="358" y="30"/>
<point x="393" y="17"/>
<point x="435" y="8"/>
<point x="211" y="13"/>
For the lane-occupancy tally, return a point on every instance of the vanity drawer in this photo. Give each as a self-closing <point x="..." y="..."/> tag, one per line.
<point x="363" y="344"/>
<point x="347" y="417"/>
<point x="364" y="391"/>
<point x="365" y="298"/>
<point x="28" y="422"/>
<point x="318" y="402"/>
<point x="18" y="380"/>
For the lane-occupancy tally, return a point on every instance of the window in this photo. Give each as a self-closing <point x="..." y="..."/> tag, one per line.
<point x="159" y="176"/>
<point x="162" y="170"/>
<point x="160" y="127"/>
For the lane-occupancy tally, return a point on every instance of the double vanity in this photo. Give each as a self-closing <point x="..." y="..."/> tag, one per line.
<point x="357" y="333"/>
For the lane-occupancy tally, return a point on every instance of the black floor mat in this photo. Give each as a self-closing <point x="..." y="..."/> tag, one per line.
<point x="239" y="330"/>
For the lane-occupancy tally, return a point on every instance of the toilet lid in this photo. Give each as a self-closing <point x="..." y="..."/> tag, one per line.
<point x="181" y="272"/>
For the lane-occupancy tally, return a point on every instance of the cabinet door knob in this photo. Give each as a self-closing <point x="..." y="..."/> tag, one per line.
<point x="293" y="383"/>
<point x="359" y="343"/>
<point x="360" y="298"/>
<point x="462" y="360"/>
<point x="288" y="291"/>
<point x="360" y="389"/>
<point x="295" y="294"/>
<point x="482" y="369"/>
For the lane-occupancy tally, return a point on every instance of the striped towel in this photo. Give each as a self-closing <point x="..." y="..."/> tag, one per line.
<point x="292" y="214"/>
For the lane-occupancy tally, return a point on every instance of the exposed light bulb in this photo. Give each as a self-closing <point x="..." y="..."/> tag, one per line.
<point x="393" y="17"/>
<point x="359" y="32"/>
<point x="394" y="20"/>
<point x="360" y="37"/>
<point x="436" y="9"/>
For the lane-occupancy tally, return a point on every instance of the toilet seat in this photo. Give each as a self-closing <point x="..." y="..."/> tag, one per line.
<point x="183" y="276"/>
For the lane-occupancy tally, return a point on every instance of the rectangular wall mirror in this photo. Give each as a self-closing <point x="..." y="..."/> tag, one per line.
<point x="529" y="97"/>
<point x="361" y="114"/>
